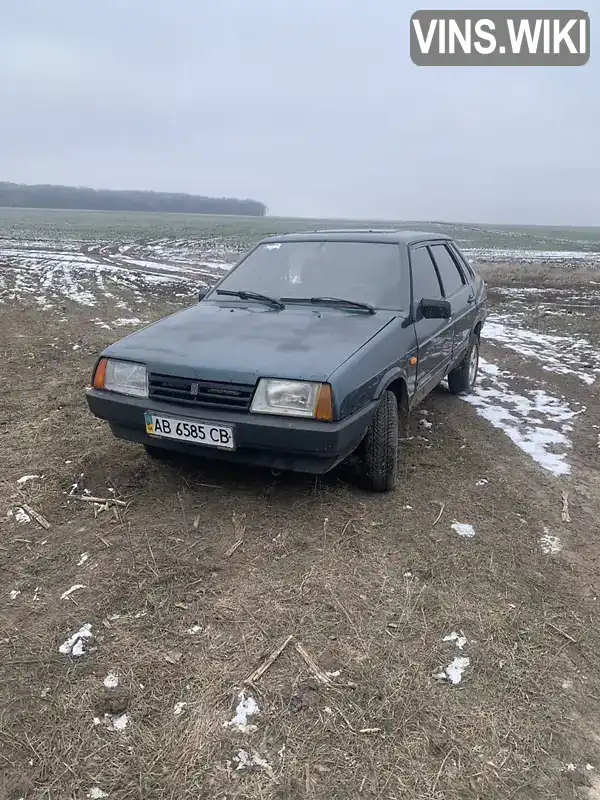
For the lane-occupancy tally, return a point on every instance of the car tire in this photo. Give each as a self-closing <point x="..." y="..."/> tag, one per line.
<point x="462" y="378"/>
<point x="380" y="457"/>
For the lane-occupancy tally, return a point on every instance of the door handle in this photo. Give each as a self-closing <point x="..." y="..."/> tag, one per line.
<point x="471" y="299"/>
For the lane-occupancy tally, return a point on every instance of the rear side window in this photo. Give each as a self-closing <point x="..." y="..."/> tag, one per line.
<point x="460" y="256"/>
<point x="452" y="279"/>
<point x="425" y="279"/>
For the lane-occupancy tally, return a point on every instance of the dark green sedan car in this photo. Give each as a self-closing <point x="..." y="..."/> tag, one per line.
<point x="315" y="346"/>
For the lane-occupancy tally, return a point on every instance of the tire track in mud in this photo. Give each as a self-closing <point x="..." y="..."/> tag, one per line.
<point x="75" y="271"/>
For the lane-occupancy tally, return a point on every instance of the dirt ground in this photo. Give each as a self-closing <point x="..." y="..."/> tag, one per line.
<point x="205" y="569"/>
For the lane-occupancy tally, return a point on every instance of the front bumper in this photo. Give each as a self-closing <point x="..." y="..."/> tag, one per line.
<point x="285" y="443"/>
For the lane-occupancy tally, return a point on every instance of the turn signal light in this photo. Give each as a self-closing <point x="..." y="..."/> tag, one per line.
<point x="100" y="374"/>
<point x="324" y="410"/>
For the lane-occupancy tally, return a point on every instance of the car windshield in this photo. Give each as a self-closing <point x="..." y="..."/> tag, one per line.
<point x="365" y="272"/>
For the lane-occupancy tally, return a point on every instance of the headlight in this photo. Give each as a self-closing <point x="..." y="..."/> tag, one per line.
<point x="124" y="377"/>
<point x="293" y="398"/>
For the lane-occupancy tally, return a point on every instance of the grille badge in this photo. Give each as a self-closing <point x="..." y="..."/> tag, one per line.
<point x="194" y="389"/>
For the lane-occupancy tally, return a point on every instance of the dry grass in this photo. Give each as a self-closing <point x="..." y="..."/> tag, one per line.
<point x="369" y="587"/>
<point x="542" y="275"/>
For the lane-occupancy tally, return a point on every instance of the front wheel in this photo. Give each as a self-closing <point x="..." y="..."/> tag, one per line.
<point x="461" y="379"/>
<point x="380" y="459"/>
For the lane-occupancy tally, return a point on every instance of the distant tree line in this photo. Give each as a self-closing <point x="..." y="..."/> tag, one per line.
<point x="17" y="195"/>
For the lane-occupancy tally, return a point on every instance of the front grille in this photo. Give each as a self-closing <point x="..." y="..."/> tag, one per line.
<point x="210" y="394"/>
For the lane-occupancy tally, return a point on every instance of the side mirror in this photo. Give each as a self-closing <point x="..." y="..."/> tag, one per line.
<point x="435" y="309"/>
<point x="202" y="294"/>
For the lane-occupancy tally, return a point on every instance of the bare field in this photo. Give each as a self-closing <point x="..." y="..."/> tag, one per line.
<point x="200" y="571"/>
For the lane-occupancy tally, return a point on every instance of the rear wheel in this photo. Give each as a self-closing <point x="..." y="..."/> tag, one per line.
<point x="462" y="378"/>
<point x="380" y="458"/>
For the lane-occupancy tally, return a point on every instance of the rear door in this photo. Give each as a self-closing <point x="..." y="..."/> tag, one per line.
<point x="434" y="336"/>
<point x="472" y="277"/>
<point x="459" y="292"/>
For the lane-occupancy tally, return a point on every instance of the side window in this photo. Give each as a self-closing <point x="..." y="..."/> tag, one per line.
<point x="425" y="280"/>
<point x="461" y="258"/>
<point x="452" y="279"/>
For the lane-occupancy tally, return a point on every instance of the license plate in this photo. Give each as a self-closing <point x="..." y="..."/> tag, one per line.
<point x="197" y="432"/>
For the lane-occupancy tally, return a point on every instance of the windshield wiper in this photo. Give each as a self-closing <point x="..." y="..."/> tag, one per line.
<point x="261" y="298"/>
<point x="331" y="301"/>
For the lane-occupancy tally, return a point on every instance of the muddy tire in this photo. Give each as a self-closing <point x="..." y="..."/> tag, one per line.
<point x="462" y="378"/>
<point x="380" y="458"/>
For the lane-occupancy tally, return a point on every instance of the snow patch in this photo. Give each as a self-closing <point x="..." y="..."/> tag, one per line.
<point x="53" y="270"/>
<point x="463" y="529"/>
<point x="115" y="723"/>
<point x="247" y="760"/>
<point x="19" y="514"/>
<point x="459" y="638"/>
<point x="246" y="707"/>
<point x="179" y="707"/>
<point x="111" y="681"/>
<point x="558" y="354"/>
<point x="101" y="324"/>
<point x="496" y="255"/>
<point x="82" y="559"/>
<point x="454" y="671"/>
<point x="120" y="723"/>
<point x="535" y="421"/>
<point x="26" y="479"/>
<point x="194" y="630"/>
<point x="96" y="793"/>
<point x="14" y="593"/>
<point x="550" y="544"/>
<point x="75" y="644"/>
<point x="125" y="321"/>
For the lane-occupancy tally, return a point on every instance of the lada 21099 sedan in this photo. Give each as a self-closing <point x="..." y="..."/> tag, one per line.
<point x="313" y="347"/>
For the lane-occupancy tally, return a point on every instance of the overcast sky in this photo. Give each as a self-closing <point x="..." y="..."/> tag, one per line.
<point x="312" y="107"/>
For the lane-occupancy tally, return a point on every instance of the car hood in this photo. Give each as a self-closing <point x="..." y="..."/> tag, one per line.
<point x="223" y="342"/>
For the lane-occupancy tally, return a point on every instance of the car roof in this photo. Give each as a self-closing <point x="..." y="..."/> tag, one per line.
<point x="390" y="235"/>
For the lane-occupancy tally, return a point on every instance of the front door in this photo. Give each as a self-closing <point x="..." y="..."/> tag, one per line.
<point x="434" y="336"/>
